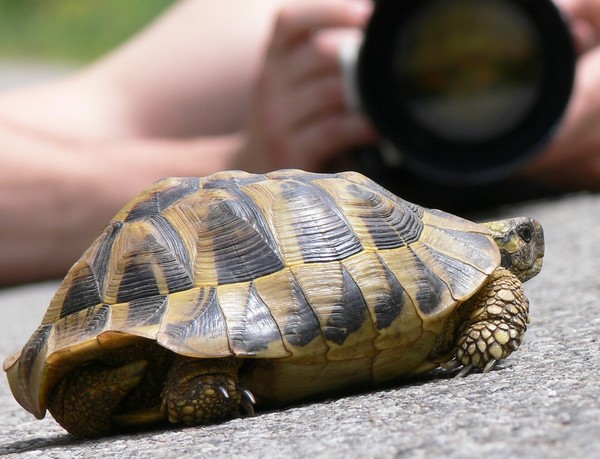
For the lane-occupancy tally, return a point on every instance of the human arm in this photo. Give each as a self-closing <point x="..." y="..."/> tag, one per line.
<point x="55" y="196"/>
<point x="187" y="74"/>
<point x="75" y="150"/>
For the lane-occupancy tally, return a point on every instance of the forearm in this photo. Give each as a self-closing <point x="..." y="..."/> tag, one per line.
<point x="55" y="196"/>
<point x="74" y="151"/>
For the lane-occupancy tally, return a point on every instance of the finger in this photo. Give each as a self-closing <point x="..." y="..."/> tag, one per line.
<point x="584" y="36"/>
<point x="312" y="58"/>
<point x="584" y="20"/>
<point x="315" y="99"/>
<point x="318" y="55"/>
<point x="335" y="135"/>
<point x="299" y="19"/>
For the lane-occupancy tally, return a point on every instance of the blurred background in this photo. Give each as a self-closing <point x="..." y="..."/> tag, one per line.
<point x="39" y="38"/>
<point x="70" y="31"/>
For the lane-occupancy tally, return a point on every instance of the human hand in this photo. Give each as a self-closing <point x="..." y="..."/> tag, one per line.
<point x="573" y="157"/>
<point x="584" y="20"/>
<point x="298" y="116"/>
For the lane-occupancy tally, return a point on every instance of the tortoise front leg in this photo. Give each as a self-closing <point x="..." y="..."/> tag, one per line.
<point x="204" y="391"/>
<point x="499" y="314"/>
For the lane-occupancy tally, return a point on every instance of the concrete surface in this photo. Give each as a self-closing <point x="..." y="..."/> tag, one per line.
<point x="542" y="402"/>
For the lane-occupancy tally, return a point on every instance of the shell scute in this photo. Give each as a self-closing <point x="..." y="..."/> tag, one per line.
<point x="146" y="260"/>
<point x="82" y="292"/>
<point x="251" y="328"/>
<point x="291" y="310"/>
<point x="157" y="197"/>
<point x="194" y="324"/>
<point x="327" y="288"/>
<point x="424" y="288"/>
<point x="73" y="330"/>
<point x="141" y="317"/>
<point x="227" y="242"/>
<point x="83" y="286"/>
<point x="308" y="225"/>
<point x="377" y="220"/>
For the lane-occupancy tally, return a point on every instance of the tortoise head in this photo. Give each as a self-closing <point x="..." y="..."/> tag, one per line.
<point x="521" y="244"/>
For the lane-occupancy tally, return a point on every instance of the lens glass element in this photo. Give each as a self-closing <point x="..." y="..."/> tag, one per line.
<point x="468" y="70"/>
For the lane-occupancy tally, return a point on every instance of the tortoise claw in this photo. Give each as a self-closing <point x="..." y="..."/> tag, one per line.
<point x="490" y="365"/>
<point x="248" y="401"/>
<point x="450" y="364"/>
<point x="222" y="391"/>
<point x="467" y="369"/>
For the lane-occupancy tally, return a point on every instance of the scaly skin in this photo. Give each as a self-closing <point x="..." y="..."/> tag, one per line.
<point x="85" y="401"/>
<point x="495" y="319"/>
<point x="201" y="391"/>
<point x="496" y="324"/>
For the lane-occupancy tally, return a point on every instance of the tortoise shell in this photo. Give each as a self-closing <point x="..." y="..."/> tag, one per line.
<point x="320" y="278"/>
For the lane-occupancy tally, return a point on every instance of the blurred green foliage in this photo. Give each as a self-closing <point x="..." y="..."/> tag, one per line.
<point x="70" y="30"/>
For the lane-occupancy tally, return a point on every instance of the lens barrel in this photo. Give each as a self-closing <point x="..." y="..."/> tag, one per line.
<point x="466" y="90"/>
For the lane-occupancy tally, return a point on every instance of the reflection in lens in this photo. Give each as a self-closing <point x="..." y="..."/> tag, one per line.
<point x="470" y="69"/>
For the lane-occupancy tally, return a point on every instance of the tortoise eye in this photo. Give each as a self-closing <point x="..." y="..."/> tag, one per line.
<point x="525" y="232"/>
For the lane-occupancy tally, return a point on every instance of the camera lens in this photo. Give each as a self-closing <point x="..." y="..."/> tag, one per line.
<point x="468" y="72"/>
<point x="466" y="89"/>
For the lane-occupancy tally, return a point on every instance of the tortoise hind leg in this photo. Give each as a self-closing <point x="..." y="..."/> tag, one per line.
<point x="85" y="401"/>
<point x="203" y="391"/>
<point x="499" y="314"/>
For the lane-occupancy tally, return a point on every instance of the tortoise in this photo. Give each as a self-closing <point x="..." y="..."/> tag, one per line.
<point x="206" y="296"/>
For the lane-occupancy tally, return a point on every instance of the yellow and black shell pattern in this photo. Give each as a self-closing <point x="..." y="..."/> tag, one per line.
<point x="287" y="265"/>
